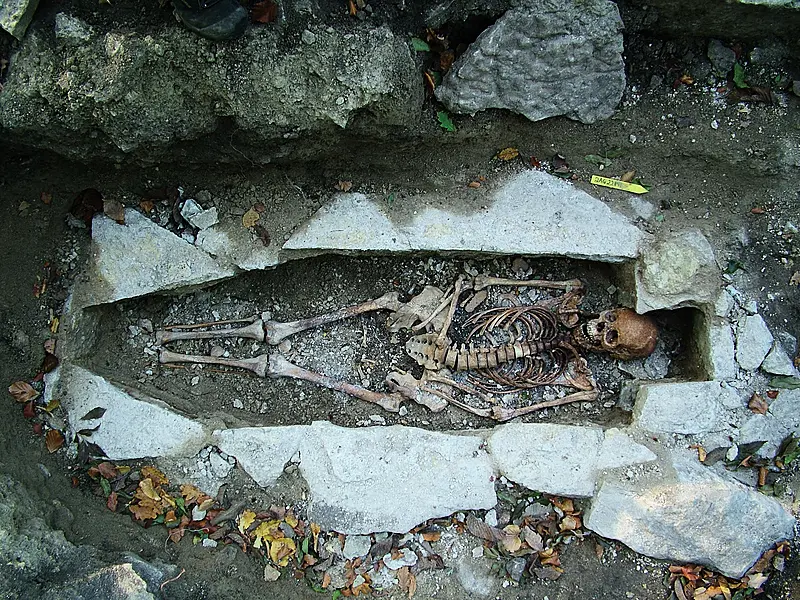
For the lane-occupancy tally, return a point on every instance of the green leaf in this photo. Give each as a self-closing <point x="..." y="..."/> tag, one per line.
<point x="304" y="545"/>
<point x="738" y="75"/>
<point x="336" y="595"/>
<point x="659" y="217"/>
<point x="786" y="382"/>
<point x="445" y="121"/>
<point x="391" y="198"/>
<point x="181" y="504"/>
<point x="596" y="159"/>
<point x="106" y="486"/>
<point x="733" y="266"/>
<point x="159" y="519"/>
<point x="420" y="45"/>
<point x="789" y="450"/>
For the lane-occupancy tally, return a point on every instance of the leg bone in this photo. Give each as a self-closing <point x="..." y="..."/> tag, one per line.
<point x="253" y="331"/>
<point x="258" y="364"/>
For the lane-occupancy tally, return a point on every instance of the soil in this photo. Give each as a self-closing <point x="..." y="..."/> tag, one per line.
<point x="701" y="175"/>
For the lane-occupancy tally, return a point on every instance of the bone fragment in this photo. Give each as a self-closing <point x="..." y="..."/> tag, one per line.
<point x="413" y="389"/>
<point x="476" y="300"/>
<point x="483" y="281"/>
<point x="280" y="367"/>
<point x="440" y="341"/>
<point x="278" y="331"/>
<point x="257" y="364"/>
<point x="447" y="298"/>
<point x="253" y="331"/>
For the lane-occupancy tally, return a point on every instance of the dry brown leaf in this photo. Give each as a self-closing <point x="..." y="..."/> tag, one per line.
<point x="570" y="523"/>
<point x="46" y="197"/>
<point x="326" y="580"/>
<point x="264" y="12"/>
<point x="483" y="531"/>
<point x="147" y="488"/>
<point x="107" y="470"/>
<point x="795" y="278"/>
<point x="432" y="536"/>
<point x="53" y="439"/>
<point x="192" y="495"/>
<point x="344" y="186"/>
<point x="757" y="210"/>
<point x="114" y="209"/>
<point x="143" y="511"/>
<point x="250" y="218"/>
<point x="565" y="504"/>
<point x="702" y="454"/>
<point x="111" y="501"/>
<point x="599" y="550"/>
<point x="757" y="404"/>
<point x="628" y="176"/>
<point x="474" y="184"/>
<point x="508" y="154"/>
<point x="147" y="206"/>
<point x="157" y="476"/>
<point x="22" y="391"/>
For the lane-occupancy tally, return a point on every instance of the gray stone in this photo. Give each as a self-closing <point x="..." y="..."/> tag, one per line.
<point x="778" y="362"/>
<point x="16" y="15"/>
<point x="197" y="217"/>
<point x="685" y="407"/>
<point x="715" y="344"/>
<point x="356" y="546"/>
<point x="116" y="582"/>
<point x="691" y="515"/>
<point x="121" y="432"/>
<point x="781" y="419"/>
<point x="71" y="29"/>
<point x="753" y="342"/>
<point x="533" y="213"/>
<point x="655" y="366"/>
<point x="678" y="270"/>
<point x="722" y="58"/>
<point x="142" y="95"/>
<point x="163" y="261"/>
<point x="263" y="451"/>
<point x="556" y="58"/>
<point x="233" y="244"/>
<point x="560" y="459"/>
<point x="392" y="478"/>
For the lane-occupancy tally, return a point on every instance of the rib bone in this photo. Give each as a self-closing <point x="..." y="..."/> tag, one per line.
<point x="277" y="366"/>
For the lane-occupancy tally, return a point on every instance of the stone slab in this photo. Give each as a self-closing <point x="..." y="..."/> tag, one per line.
<point x="533" y="213"/>
<point x="781" y="419"/>
<point x="717" y="350"/>
<point x="682" y="407"/>
<point x="392" y="478"/>
<point x="690" y="515"/>
<point x="232" y="244"/>
<point x="131" y="427"/>
<point x="778" y="362"/>
<point x="140" y="258"/>
<point x="753" y="341"/>
<point x="263" y="451"/>
<point x="677" y="270"/>
<point x="561" y="459"/>
<point x="558" y="57"/>
<point x="16" y="15"/>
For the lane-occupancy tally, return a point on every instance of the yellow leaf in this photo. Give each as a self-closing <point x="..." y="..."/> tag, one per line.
<point x="146" y="485"/>
<point x="570" y="523"/>
<point x="192" y="495"/>
<point x="511" y="542"/>
<point x="315" y="529"/>
<point x="123" y="469"/>
<point x="52" y="405"/>
<point x="157" y="476"/>
<point x="291" y="520"/>
<point x="628" y="176"/>
<point x="266" y="531"/>
<point x="250" y="218"/>
<point x="508" y="154"/>
<point x="245" y="520"/>
<point x="281" y="550"/>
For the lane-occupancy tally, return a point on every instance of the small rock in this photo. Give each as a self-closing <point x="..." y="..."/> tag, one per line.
<point x="491" y="518"/>
<point x="778" y="362"/>
<point x="71" y="29"/>
<point x="378" y="419"/>
<point x="217" y="351"/>
<point x="146" y="325"/>
<point x="237" y="403"/>
<point x="338" y="576"/>
<point x="195" y="380"/>
<point x="477" y="552"/>
<point x="356" y="546"/>
<point x="753" y="342"/>
<point x="271" y="573"/>
<point x="403" y="411"/>
<point x="516" y="568"/>
<point x="407" y="558"/>
<point x="722" y="58"/>
<point x="308" y="37"/>
<point x="285" y="346"/>
<point x="197" y="514"/>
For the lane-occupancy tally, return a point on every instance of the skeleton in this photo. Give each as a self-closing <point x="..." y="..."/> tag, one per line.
<point x="506" y="349"/>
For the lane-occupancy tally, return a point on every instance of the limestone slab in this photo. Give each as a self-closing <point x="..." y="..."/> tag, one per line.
<point x="781" y="419"/>
<point x="232" y="244"/>
<point x="131" y="427"/>
<point x="682" y="407"/>
<point x="533" y="213"/>
<point x="753" y="342"/>
<point x="392" y="478"/>
<point x="561" y="459"/>
<point x="717" y="349"/>
<point x="262" y="451"/>
<point x="140" y="258"/>
<point x="778" y="362"/>
<point x="557" y="58"/>
<point x="691" y="515"/>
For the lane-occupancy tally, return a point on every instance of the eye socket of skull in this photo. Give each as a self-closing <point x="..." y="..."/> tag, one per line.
<point x="600" y="326"/>
<point x="611" y="337"/>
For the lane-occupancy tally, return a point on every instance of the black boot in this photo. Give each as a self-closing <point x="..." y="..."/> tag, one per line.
<point x="213" y="19"/>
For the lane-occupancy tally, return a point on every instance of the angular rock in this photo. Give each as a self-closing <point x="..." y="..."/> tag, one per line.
<point x="263" y="451"/>
<point x="557" y="58"/>
<point x="781" y="419"/>
<point x="116" y="582"/>
<point x="16" y="15"/>
<point x="691" y="515"/>
<point x="163" y="261"/>
<point x="197" y="216"/>
<point x="722" y="58"/>
<point x="130" y="427"/>
<point x="533" y="213"/>
<point x="356" y="546"/>
<point x="778" y="362"/>
<point x="716" y="347"/>
<point x="684" y="407"/>
<point x="678" y="270"/>
<point x="560" y="459"/>
<point x="230" y="243"/>
<point x="392" y="478"/>
<point x="142" y="94"/>
<point x="72" y="30"/>
<point x="753" y="342"/>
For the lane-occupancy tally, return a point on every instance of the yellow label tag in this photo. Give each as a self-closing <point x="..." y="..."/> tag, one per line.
<point x="618" y="185"/>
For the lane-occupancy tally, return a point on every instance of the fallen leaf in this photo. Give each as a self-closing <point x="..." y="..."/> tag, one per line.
<point x="570" y="523"/>
<point x="114" y="209"/>
<point x="265" y="11"/>
<point x="87" y="203"/>
<point x="111" y="501"/>
<point x="533" y="539"/>
<point x="46" y="197"/>
<point x="757" y="210"/>
<point x="263" y="234"/>
<point x="281" y="550"/>
<point x="786" y="382"/>
<point x="701" y="452"/>
<point x="246" y="519"/>
<point x="344" y="186"/>
<point x="445" y="121"/>
<point x="565" y="504"/>
<point x="483" y="531"/>
<point x="757" y="404"/>
<point x="326" y="580"/>
<point x="351" y="8"/>
<point x="250" y="218"/>
<point x="772" y="394"/>
<point x="49" y="362"/>
<point x="474" y="184"/>
<point x="22" y="391"/>
<point x="628" y="176"/>
<point x="107" y="470"/>
<point x="143" y="512"/>
<point x="192" y="495"/>
<point x="157" y="476"/>
<point x="432" y="536"/>
<point x="599" y="550"/>
<point x="548" y="573"/>
<point x="147" y="206"/>
<point x="29" y="411"/>
<point x="508" y="154"/>
<point x="147" y="488"/>
<point x="268" y="531"/>
<point x="53" y="440"/>
<point x="95" y="413"/>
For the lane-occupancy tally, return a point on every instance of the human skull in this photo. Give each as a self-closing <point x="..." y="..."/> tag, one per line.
<point x="620" y="332"/>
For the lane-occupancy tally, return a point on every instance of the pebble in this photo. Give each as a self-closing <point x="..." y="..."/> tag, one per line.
<point x="380" y="420"/>
<point x="237" y="403"/>
<point x="209" y="543"/>
<point x="195" y="380"/>
<point x="491" y="518"/>
<point x="217" y="351"/>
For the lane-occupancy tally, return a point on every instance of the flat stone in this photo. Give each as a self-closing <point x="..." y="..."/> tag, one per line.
<point x="781" y="419"/>
<point x="690" y="515"/>
<point x="778" y="362"/>
<point x="131" y="427"/>
<point x="557" y="58"/>
<point x="533" y="213"/>
<point x="753" y="342"/>
<point x="140" y="258"/>
<point x="356" y="546"/>
<point x="560" y="459"/>
<point x="71" y="29"/>
<point x="716" y="347"/>
<point x="678" y="270"/>
<point x="197" y="216"/>
<point x="116" y="582"/>
<point x="392" y="478"/>
<point x="233" y="244"/>
<point x="263" y="451"/>
<point x="684" y="407"/>
<point x="16" y="15"/>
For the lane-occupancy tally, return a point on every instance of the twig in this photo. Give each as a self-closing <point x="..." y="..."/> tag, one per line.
<point x="178" y="576"/>
<point x="230" y="513"/>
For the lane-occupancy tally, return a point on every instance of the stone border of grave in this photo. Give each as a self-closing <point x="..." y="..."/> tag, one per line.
<point x="646" y="488"/>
